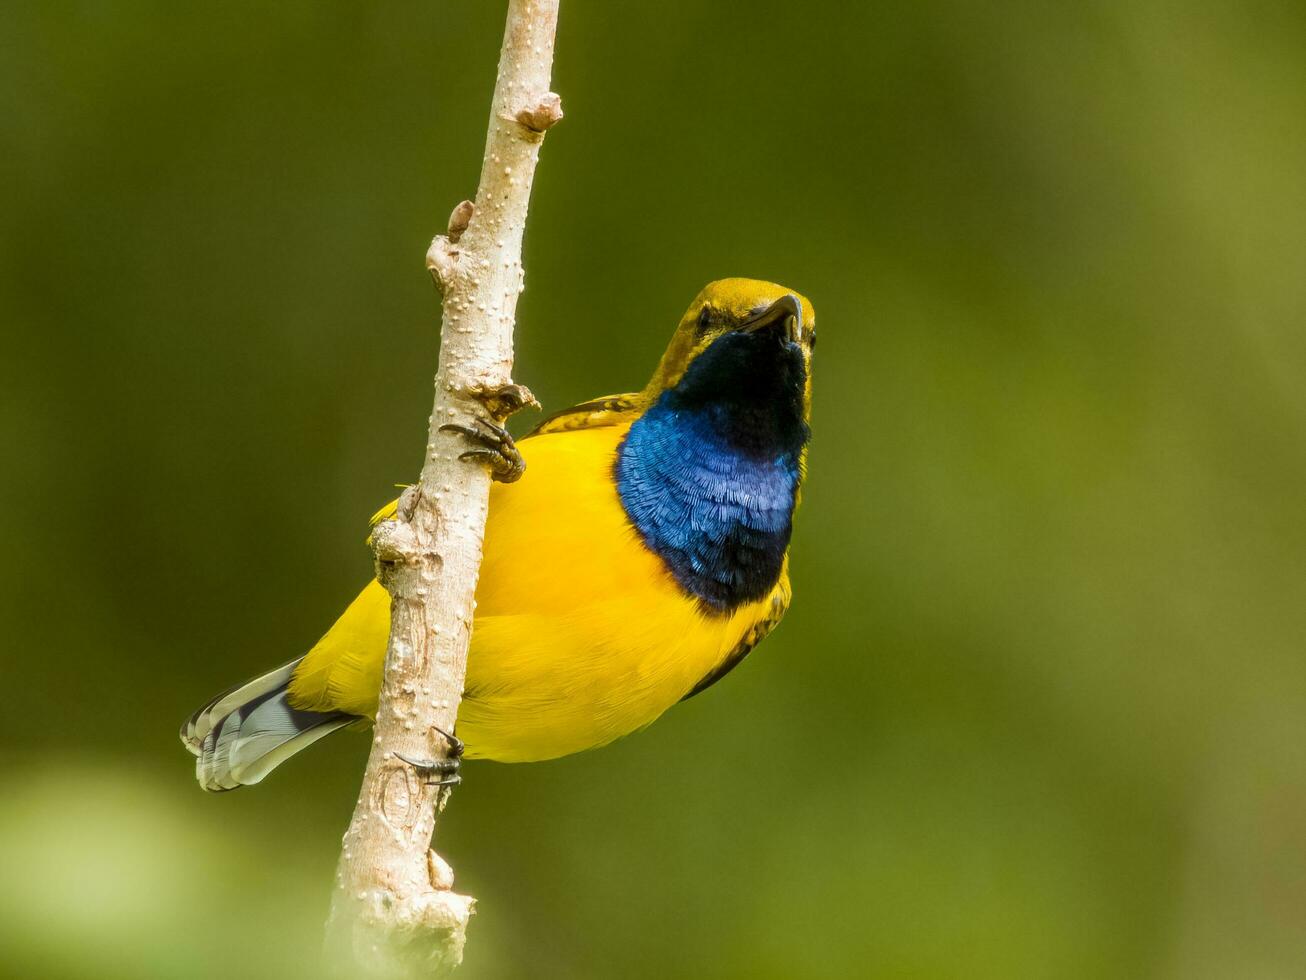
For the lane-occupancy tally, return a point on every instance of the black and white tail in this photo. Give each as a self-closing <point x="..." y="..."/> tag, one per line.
<point x="244" y="733"/>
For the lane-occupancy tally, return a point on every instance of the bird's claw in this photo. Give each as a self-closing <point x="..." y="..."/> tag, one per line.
<point x="494" y="447"/>
<point x="456" y="746"/>
<point x="445" y="768"/>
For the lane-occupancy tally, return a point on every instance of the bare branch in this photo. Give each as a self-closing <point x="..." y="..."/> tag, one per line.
<point x="394" y="912"/>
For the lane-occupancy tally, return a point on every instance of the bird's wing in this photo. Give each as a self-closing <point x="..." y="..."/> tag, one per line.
<point x="758" y="632"/>
<point x="593" y="414"/>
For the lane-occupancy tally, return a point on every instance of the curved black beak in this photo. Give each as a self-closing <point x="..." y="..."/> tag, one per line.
<point x="786" y="311"/>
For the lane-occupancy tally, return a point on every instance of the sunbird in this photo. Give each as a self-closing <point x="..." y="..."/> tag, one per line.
<point x="637" y="558"/>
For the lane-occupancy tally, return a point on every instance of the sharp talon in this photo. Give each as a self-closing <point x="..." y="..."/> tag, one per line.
<point x="494" y="431"/>
<point x="421" y="765"/>
<point x="464" y="430"/>
<point x="453" y="780"/>
<point x="428" y="767"/>
<point x="494" y="435"/>
<point x="456" y="744"/>
<point x="503" y="467"/>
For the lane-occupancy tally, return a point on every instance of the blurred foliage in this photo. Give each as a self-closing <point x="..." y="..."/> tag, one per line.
<point x="1039" y="709"/>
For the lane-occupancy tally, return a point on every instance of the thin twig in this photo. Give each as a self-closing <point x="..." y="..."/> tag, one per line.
<point x="394" y="912"/>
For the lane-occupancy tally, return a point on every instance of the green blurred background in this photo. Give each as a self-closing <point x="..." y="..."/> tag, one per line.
<point x="1039" y="709"/>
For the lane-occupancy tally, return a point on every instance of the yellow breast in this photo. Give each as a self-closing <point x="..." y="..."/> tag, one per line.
<point x="580" y="635"/>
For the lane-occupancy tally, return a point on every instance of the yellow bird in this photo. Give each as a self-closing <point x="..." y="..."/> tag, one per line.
<point x="640" y="556"/>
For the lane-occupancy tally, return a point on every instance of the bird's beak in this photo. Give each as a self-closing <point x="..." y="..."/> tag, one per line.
<point x="787" y="311"/>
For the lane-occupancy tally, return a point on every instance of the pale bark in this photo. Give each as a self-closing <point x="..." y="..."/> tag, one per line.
<point x="394" y="912"/>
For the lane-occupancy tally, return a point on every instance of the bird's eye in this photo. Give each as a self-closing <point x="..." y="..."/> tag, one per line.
<point x="704" y="319"/>
<point x="811" y="341"/>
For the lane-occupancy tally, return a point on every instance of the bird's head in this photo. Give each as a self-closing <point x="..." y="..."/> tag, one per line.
<point x="741" y="340"/>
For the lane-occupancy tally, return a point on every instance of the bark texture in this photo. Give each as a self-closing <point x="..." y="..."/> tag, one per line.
<point x="394" y="912"/>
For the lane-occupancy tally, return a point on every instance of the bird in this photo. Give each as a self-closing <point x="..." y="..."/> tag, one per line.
<point x="636" y="550"/>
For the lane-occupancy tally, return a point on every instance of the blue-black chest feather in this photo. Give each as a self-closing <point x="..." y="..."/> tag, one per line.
<point x="709" y="474"/>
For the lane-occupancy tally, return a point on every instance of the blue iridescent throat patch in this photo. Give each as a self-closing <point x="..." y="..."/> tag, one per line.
<point x="709" y="474"/>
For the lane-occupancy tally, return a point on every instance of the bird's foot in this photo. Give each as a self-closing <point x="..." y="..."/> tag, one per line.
<point x="456" y="746"/>
<point x="494" y="447"/>
<point x="447" y="768"/>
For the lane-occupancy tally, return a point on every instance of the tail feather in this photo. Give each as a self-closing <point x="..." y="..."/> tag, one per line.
<point x="199" y="724"/>
<point x="246" y="732"/>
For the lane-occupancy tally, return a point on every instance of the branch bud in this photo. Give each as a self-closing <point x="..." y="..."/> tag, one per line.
<point x="459" y="219"/>
<point x="440" y="872"/>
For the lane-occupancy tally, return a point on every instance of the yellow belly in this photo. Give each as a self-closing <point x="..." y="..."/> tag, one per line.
<point x="581" y="635"/>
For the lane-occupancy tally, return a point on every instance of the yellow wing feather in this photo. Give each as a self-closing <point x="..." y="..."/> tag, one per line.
<point x="593" y="414"/>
